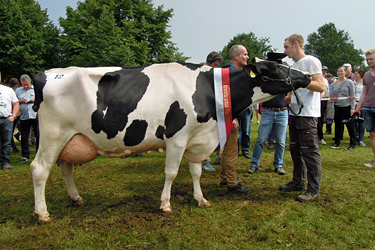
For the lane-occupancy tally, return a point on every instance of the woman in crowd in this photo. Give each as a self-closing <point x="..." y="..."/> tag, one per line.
<point x="359" y="125"/>
<point x="343" y="87"/>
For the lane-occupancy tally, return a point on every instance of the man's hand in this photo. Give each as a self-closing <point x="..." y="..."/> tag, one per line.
<point x="235" y="124"/>
<point x="287" y="99"/>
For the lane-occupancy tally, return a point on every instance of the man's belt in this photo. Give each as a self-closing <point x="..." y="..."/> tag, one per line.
<point x="276" y="109"/>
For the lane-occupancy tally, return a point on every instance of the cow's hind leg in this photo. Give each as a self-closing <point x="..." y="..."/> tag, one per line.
<point x="196" y="172"/>
<point x="40" y="172"/>
<point x="67" y="173"/>
<point x="172" y="163"/>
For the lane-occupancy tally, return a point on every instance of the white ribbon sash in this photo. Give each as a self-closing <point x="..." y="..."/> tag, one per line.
<point x="223" y="104"/>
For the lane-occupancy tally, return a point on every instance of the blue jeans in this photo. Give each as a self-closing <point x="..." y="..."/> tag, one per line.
<point x="360" y="130"/>
<point x="269" y="117"/>
<point x="245" y="129"/>
<point x="6" y="131"/>
<point x="369" y="116"/>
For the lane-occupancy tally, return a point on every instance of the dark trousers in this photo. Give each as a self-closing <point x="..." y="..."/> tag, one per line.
<point x="16" y="120"/>
<point x="323" y="108"/>
<point x="25" y="126"/>
<point x="305" y="153"/>
<point x="343" y="113"/>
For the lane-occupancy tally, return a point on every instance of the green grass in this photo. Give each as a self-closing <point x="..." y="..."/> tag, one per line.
<point x="122" y="206"/>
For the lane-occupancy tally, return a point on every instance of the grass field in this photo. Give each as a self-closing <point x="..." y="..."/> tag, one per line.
<point x="122" y="206"/>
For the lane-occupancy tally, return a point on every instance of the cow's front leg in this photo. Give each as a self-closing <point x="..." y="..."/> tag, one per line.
<point x="40" y="173"/>
<point x="196" y="172"/>
<point x="172" y="163"/>
<point x="67" y="173"/>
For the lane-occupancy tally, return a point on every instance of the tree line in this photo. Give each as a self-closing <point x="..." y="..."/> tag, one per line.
<point x="124" y="33"/>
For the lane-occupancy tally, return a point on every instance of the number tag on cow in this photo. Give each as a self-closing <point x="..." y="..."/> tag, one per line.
<point x="56" y="76"/>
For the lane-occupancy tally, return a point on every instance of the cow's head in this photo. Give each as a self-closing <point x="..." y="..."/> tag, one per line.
<point x="277" y="78"/>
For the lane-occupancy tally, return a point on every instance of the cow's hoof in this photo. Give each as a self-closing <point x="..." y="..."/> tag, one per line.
<point x="43" y="219"/>
<point x="167" y="210"/>
<point x="205" y="204"/>
<point x="79" y="202"/>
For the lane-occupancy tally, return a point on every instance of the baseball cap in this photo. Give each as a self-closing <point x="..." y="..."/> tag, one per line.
<point x="347" y="65"/>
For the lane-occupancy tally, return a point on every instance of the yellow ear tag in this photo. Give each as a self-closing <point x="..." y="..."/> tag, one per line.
<point x="252" y="75"/>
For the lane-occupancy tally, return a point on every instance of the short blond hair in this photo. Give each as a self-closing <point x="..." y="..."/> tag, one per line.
<point x="296" y="38"/>
<point x="369" y="52"/>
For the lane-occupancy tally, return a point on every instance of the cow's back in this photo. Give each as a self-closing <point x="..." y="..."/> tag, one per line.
<point x="118" y="108"/>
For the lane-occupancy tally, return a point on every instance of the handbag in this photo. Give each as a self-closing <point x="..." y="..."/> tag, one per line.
<point x="330" y="115"/>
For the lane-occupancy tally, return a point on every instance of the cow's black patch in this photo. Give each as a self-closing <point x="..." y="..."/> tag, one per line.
<point x="135" y="133"/>
<point x="204" y="97"/>
<point x="192" y="66"/>
<point x="175" y="120"/>
<point x="118" y="95"/>
<point x="39" y="82"/>
<point x="160" y="132"/>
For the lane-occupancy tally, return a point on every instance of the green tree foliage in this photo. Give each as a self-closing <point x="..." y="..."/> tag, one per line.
<point x="255" y="47"/>
<point x="333" y="47"/>
<point x="28" y="41"/>
<point x="117" y="33"/>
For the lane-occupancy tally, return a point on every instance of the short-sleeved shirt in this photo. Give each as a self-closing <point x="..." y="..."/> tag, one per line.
<point x="26" y="109"/>
<point x="369" y="82"/>
<point x="310" y="99"/>
<point x="7" y="97"/>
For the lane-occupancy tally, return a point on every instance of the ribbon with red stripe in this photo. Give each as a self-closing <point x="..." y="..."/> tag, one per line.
<point x="223" y="104"/>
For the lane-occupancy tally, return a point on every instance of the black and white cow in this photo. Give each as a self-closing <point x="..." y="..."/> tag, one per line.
<point x="115" y="112"/>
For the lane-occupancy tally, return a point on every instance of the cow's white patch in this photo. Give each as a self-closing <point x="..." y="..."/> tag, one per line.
<point x="260" y="96"/>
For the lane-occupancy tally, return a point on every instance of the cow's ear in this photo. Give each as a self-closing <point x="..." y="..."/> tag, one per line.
<point x="251" y="70"/>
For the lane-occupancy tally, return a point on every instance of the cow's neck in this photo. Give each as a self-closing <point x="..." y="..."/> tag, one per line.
<point x="242" y="91"/>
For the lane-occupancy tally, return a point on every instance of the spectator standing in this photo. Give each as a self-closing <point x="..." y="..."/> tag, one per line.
<point x="275" y="113"/>
<point x="343" y="87"/>
<point x="238" y="58"/>
<point x="324" y="70"/>
<point x="28" y="118"/>
<point x="323" y="109"/>
<point x="274" y="117"/>
<point x="330" y="105"/>
<point x="359" y="125"/>
<point x="14" y="84"/>
<point x="9" y="107"/>
<point x="348" y="71"/>
<point x="304" y="147"/>
<point x="213" y="60"/>
<point x="367" y="100"/>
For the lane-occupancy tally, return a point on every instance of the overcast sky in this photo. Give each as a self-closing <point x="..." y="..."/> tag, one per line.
<point x="201" y="26"/>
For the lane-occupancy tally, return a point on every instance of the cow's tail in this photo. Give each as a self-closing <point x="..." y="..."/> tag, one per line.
<point x="40" y="80"/>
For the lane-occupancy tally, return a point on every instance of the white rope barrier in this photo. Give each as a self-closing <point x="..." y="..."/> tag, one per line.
<point x="337" y="98"/>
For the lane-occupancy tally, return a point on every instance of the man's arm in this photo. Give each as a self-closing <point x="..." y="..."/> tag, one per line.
<point x="16" y="108"/>
<point x="317" y="83"/>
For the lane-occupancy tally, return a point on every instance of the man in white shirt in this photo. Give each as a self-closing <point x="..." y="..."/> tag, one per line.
<point x="9" y="108"/>
<point x="304" y="147"/>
